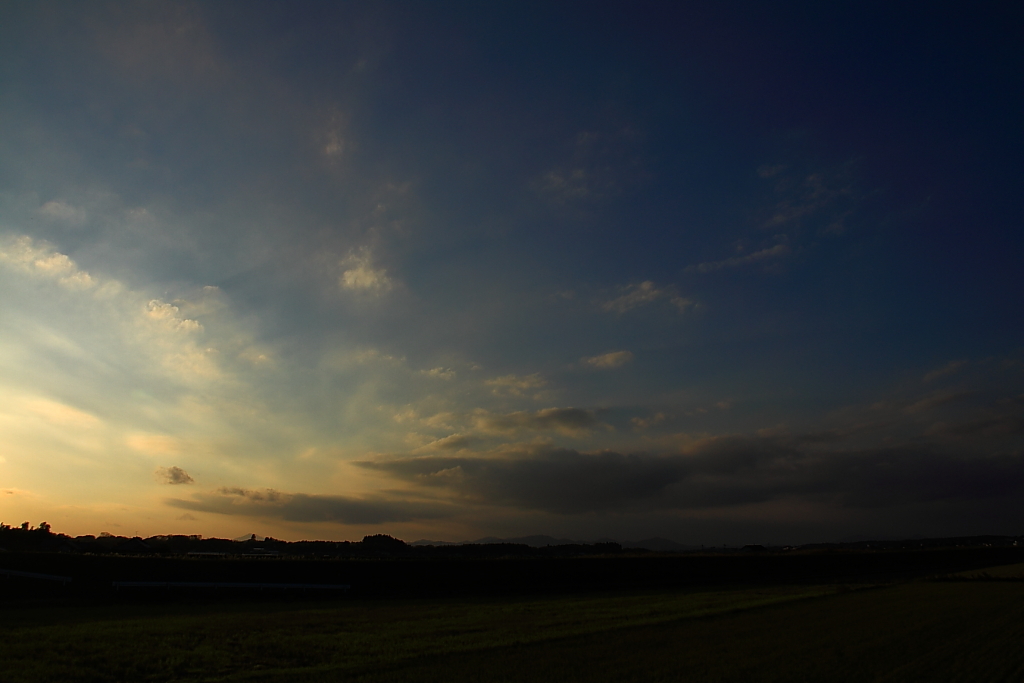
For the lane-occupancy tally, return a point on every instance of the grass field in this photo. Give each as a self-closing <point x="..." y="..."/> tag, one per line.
<point x="935" y="631"/>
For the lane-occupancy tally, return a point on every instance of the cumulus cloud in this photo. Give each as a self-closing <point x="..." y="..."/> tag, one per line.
<point x="170" y="315"/>
<point x="568" y="421"/>
<point x="515" y="385"/>
<point x="303" y="507"/>
<point x="174" y="475"/>
<point x="643" y="294"/>
<point x="777" y="251"/>
<point x="607" y="361"/>
<point x="41" y="259"/>
<point x="359" y="274"/>
<point x="439" y="373"/>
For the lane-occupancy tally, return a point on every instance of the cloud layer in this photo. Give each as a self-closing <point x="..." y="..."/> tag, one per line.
<point x="716" y="473"/>
<point x="300" y="507"/>
<point x="576" y="277"/>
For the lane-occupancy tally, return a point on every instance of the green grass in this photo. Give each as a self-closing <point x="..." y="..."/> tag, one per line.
<point x="942" y="631"/>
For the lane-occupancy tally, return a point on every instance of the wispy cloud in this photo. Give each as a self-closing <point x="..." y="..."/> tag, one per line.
<point x="645" y="293"/>
<point x="778" y="251"/>
<point x="568" y="421"/>
<point x="63" y="211"/>
<point x="334" y="136"/>
<point x="599" y="165"/>
<point x="948" y="369"/>
<point x="936" y="400"/>
<point x="641" y="423"/>
<point x="452" y="442"/>
<point x="607" y="361"/>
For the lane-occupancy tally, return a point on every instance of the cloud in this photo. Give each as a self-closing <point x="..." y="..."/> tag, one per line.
<point x="153" y="444"/>
<point x="61" y="414"/>
<point x="302" y="507"/>
<point x="995" y="425"/>
<point x="770" y="171"/>
<point x="62" y="211"/>
<point x="555" y="480"/>
<point x="647" y="422"/>
<point x="770" y="253"/>
<point x="168" y="44"/>
<point x="829" y="196"/>
<point x="936" y="400"/>
<point x="374" y="355"/>
<point x="948" y="369"/>
<point x="439" y="373"/>
<point x="596" y="165"/>
<point x="719" y="472"/>
<point x="360" y="275"/>
<point x="41" y="259"/>
<point x="169" y="315"/>
<point x="608" y="361"/>
<point x="452" y="442"/>
<point x="515" y="385"/>
<point x="174" y="475"/>
<point x="645" y="293"/>
<point x="568" y="421"/>
<point x="334" y="139"/>
<point x="567" y="184"/>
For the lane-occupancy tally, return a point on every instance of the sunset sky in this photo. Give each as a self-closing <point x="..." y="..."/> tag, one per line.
<point x="718" y="272"/>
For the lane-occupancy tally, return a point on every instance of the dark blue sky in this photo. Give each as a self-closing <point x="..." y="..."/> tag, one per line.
<point x="711" y="271"/>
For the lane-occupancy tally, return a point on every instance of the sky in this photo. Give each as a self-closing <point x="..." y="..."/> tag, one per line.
<point x="717" y="272"/>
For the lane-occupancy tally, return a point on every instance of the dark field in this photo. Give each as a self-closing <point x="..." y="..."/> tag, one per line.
<point x="966" y="626"/>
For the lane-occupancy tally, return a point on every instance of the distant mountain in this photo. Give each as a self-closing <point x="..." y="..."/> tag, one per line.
<point x="657" y="544"/>
<point x="661" y="545"/>
<point x="532" y="541"/>
<point x="424" y="541"/>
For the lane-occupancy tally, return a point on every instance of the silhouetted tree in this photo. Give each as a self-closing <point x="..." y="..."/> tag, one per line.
<point x="383" y="543"/>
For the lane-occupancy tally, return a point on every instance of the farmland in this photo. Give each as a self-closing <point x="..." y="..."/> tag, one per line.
<point x="964" y="625"/>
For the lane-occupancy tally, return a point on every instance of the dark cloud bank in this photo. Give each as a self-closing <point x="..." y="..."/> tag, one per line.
<point x="716" y="475"/>
<point x="722" y="472"/>
<point x="907" y="465"/>
<point x="301" y="507"/>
